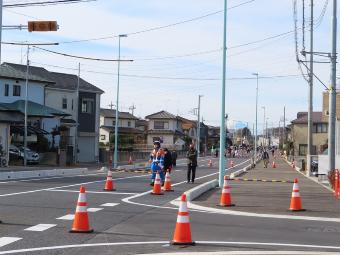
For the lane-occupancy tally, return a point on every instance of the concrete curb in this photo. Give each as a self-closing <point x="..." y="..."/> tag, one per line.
<point x="41" y="173"/>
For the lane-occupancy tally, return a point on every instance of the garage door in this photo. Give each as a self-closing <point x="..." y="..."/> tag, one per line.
<point x="86" y="149"/>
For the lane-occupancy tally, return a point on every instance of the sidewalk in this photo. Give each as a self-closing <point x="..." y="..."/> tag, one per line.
<point x="274" y="197"/>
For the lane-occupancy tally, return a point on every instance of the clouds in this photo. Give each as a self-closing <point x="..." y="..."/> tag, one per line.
<point x="251" y="22"/>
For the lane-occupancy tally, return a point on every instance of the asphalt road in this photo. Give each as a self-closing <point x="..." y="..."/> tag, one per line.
<point x="131" y="221"/>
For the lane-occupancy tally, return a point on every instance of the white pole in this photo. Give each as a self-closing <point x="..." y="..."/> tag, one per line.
<point x="26" y="99"/>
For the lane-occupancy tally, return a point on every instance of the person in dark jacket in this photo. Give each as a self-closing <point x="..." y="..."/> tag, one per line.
<point x="174" y="157"/>
<point x="192" y="163"/>
<point x="167" y="161"/>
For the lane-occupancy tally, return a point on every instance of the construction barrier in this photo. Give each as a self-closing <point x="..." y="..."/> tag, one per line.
<point x="258" y="180"/>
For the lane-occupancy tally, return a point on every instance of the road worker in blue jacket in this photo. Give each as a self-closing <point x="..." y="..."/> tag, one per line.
<point x="157" y="162"/>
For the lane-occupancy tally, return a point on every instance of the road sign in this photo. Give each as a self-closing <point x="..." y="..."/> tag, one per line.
<point x="42" y="26"/>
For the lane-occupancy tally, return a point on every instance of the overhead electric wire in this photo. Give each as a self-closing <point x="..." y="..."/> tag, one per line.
<point x="44" y="3"/>
<point x="158" y="27"/>
<point x="172" y="78"/>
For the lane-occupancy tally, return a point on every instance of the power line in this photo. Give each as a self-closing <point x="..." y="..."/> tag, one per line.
<point x="173" y="78"/>
<point x="158" y="27"/>
<point x="44" y="3"/>
<point x="81" y="57"/>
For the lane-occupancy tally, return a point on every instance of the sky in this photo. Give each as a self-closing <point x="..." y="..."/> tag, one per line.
<point x="172" y="66"/>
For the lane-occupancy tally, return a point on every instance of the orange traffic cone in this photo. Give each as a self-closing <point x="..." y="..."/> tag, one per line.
<point x="81" y="219"/>
<point x="167" y="183"/>
<point x="182" y="235"/>
<point x="130" y="161"/>
<point x="210" y="163"/>
<point x="273" y="165"/>
<point x="225" y="196"/>
<point x="157" y="189"/>
<point x="231" y="164"/>
<point x="109" y="186"/>
<point x="295" y="202"/>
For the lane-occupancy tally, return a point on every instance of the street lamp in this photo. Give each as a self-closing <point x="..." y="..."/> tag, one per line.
<point x="257" y="97"/>
<point x="115" y="155"/>
<point x="199" y="125"/>
<point x="221" y="166"/>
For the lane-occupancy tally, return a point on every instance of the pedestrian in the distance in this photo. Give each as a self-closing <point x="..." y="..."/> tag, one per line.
<point x="174" y="157"/>
<point x="265" y="158"/>
<point x="192" y="163"/>
<point x="167" y="161"/>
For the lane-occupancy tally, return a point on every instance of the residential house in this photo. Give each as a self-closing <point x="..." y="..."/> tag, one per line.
<point x="299" y="131"/>
<point x="166" y="128"/>
<point x="127" y="131"/>
<point x="59" y="91"/>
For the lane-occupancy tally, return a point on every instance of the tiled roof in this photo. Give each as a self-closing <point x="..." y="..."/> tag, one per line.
<point x="302" y="118"/>
<point x="11" y="71"/>
<point x="55" y="80"/>
<point x="161" y="115"/>
<point x="109" y="113"/>
<point x="33" y="109"/>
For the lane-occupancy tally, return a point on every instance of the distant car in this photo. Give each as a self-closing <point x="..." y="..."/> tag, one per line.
<point x="16" y="153"/>
<point x="314" y="167"/>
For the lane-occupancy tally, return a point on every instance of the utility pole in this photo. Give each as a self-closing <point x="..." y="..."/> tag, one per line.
<point x="199" y="125"/>
<point x="310" y="94"/>
<point x="284" y="124"/>
<point x="111" y="105"/>
<point x="1" y="10"/>
<point x="222" y="127"/>
<point x="264" y="124"/>
<point x="332" y="93"/>
<point x="132" y="108"/>
<point x="257" y="99"/>
<point x="75" y="149"/>
<point x="115" y="155"/>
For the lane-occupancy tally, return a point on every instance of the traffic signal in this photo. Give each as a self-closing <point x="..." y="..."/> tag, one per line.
<point x="42" y="26"/>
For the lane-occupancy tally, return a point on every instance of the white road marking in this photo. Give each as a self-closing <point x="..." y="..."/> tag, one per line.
<point x="211" y="243"/>
<point x="251" y="252"/>
<point x="8" y="240"/>
<point x="93" y="192"/>
<point x="109" y="204"/>
<point x="50" y="178"/>
<point x="40" y="227"/>
<point x="67" y="186"/>
<point x="91" y="209"/>
<point x="66" y="217"/>
<point x="127" y="199"/>
<point x="258" y="215"/>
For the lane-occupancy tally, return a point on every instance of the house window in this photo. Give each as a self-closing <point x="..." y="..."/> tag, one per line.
<point x="87" y="105"/>
<point x="154" y="139"/>
<point x="129" y="123"/>
<point x="102" y="137"/>
<point x="113" y="123"/>
<point x="161" y="125"/>
<point x="192" y="132"/>
<point x="320" y="128"/>
<point x="302" y="149"/>
<point x="16" y="90"/>
<point x="6" y="90"/>
<point x="72" y="104"/>
<point x="64" y="103"/>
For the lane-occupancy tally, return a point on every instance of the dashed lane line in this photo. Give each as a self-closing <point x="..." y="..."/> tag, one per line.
<point x="8" y="240"/>
<point x="66" y="217"/>
<point x="110" y="204"/>
<point x="92" y="209"/>
<point x="93" y="192"/>
<point x="214" y="244"/>
<point x="40" y="227"/>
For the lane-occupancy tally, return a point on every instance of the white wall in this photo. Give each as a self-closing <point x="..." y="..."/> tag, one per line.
<point x="35" y="91"/>
<point x="107" y="135"/>
<point x="121" y="122"/>
<point x="54" y="99"/>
